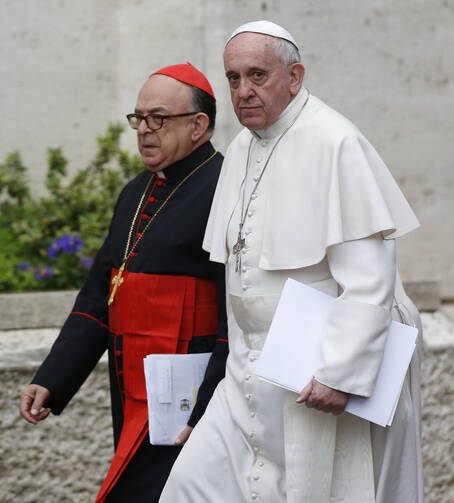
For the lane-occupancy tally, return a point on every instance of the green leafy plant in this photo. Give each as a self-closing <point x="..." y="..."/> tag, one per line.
<point x="49" y="242"/>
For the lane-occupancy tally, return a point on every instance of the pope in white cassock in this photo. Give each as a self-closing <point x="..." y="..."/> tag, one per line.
<point x="302" y="194"/>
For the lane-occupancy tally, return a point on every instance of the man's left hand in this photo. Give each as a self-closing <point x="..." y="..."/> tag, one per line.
<point x="323" y="398"/>
<point x="184" y="435"/>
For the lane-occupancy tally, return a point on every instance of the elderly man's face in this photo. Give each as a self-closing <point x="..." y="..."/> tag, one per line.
<point x="164" y="95"/>
<point x="260" y="86"/>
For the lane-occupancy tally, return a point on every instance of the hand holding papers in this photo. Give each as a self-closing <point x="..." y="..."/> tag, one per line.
<point x="292" y="352"/>
<point x="172" y="384"/>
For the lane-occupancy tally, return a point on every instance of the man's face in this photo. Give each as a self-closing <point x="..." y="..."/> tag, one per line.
<point x="260" y="87"/>
<point x="164" y="95"/>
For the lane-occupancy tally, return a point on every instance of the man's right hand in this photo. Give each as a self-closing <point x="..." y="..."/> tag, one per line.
<point x="32" y="400"/>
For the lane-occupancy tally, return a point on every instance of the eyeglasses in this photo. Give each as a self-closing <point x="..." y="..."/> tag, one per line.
<point x="154" y="121"/>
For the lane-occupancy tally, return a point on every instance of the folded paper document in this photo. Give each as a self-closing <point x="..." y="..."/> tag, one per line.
<point x="172" y="384"/>
<point x="292" y="352"/>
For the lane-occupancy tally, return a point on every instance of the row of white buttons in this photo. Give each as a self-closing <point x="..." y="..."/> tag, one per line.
<point x="256" y="477"/>
<point x="260" y="463"/>
<point x="244" y="251"/>
<point x="248" y="231"/>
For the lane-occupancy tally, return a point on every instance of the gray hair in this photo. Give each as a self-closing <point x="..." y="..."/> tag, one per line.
<point x="286" y="52"/>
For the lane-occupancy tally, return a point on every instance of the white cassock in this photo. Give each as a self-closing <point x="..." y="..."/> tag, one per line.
<point x="325" y="213"/>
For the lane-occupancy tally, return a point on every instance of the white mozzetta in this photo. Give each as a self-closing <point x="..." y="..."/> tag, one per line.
<point x="338" y="189"/>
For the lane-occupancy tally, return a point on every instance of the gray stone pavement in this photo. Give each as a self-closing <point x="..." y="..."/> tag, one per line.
<point x="65" y="458"/>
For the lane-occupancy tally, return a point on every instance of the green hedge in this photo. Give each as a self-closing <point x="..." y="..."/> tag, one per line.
<point x="49" y="243"/>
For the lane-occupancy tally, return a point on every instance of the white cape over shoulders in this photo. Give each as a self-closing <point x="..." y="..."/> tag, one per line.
<point x="340" y="190"/>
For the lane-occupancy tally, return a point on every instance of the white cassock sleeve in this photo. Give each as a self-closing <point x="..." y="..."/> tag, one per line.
<point x="358" y="322"/>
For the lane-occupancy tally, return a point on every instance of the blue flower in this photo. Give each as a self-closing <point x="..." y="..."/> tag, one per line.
<point x="44" y="272"/>
<point x="53" y="250"/>
<point x="86" y="262"/>
<point x="70" y="244"/>
<point x="23" y="266"/>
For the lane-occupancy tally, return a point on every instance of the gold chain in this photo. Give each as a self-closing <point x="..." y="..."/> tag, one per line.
<point x="128" y="254"/>
<point x="117" y="280"/>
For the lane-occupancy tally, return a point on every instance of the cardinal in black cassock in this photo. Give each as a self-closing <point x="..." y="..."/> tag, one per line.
<point x="152" y="289"/>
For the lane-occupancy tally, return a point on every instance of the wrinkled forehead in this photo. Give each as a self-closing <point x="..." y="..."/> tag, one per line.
<point x="248" y="40"/>
<point x="161" y="92"/>
<point x="251" y="47"/>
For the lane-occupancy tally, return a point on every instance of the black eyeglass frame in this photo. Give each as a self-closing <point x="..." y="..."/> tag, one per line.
<point x="162" y="118"/>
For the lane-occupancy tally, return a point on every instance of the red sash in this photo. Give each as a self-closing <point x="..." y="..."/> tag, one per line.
<point x="155" y="314"/>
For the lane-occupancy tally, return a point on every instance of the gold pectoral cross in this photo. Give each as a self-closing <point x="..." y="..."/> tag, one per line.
<point x="117" y="280"/>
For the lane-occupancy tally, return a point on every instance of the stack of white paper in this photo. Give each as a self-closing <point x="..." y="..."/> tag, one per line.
<point x="172" y="384"/>
<point x="292" y="352"/>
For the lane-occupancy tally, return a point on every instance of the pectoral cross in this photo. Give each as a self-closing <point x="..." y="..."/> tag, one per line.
<point x="239" y="245"/>
<point x="117" y="280"/>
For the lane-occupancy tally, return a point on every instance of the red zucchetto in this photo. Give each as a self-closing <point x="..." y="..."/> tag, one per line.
<point x="189" y="75"/>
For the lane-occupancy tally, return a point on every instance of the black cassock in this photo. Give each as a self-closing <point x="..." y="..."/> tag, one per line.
<point x="172" y="246"/>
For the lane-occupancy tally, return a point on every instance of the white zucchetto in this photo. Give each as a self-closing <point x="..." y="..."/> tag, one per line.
<point x="266" y="28"/>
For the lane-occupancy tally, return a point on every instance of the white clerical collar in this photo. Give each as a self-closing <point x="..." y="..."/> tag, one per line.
<point x="287" y="116"/>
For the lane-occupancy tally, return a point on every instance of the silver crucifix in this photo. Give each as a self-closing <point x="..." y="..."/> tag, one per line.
<point x="239" y="245"/>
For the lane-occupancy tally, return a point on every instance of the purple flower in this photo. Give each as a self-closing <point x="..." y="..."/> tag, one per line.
<point x="86" y="262"/>
<point x="44" y="272"/>
<point x="53" y="249"/>
<point x="70" y="244"/>
<point x="23" y="266"/>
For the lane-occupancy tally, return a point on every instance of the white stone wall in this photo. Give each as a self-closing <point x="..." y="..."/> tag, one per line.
<point x="70" y="67"/>
<point x="57" y="87"/>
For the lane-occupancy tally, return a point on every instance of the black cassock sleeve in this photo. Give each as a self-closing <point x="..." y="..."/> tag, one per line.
<point x="83" y="338"/>
<point x="215" y="371"/>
